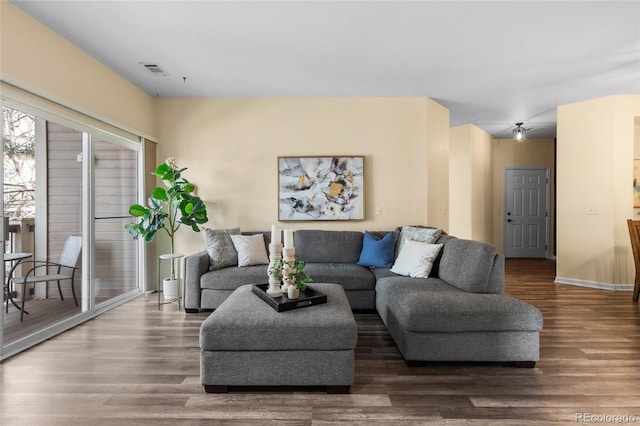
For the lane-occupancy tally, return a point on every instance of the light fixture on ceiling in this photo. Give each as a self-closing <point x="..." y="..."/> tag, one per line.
<point x="519" y="132"/>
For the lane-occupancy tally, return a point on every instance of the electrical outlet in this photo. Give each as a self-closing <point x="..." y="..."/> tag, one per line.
<point x="593" y="211"/>
<point x="378" y="211"/>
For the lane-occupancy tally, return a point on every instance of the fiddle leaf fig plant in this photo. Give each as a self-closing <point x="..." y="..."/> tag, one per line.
<point x="168" y="207"/>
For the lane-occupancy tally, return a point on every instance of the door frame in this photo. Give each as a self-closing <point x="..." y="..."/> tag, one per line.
<point x="504" y="207"/>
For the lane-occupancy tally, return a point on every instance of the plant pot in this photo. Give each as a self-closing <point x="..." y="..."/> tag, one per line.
<point x="170" y="289"/>
<point x="293" y="292"/>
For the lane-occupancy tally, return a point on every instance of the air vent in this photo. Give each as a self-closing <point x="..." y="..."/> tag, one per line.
<point x="154" y="68"/>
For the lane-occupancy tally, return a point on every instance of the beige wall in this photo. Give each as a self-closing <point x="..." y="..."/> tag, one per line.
<point x="231" y="146"/>
<point x="39" y="60"/>
<point x="537" y="153"/>
<point x="470" y="179"/>
<point x="438" y="165"/>
<point x="460" y="175"/>
<point x="595" y="171"/>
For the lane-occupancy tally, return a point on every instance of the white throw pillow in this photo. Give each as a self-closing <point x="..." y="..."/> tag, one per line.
<point x="416" y="259"/>
<point x="251" y="249"/>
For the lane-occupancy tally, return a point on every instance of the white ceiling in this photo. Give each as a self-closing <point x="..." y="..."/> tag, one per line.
<point x="492" y="63"/>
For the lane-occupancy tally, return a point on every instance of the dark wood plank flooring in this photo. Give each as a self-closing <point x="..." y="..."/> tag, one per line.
<point x="136" y="365"/>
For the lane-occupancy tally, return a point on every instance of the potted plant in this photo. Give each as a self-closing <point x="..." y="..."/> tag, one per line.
<point x="168" y="208"/>
<point x="292" y="274"/>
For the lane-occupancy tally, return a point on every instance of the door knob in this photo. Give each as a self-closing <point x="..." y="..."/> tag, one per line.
<point x="509" y="220"/>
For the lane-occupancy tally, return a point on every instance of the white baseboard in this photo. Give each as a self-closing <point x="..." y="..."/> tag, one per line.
<point x="594" y="284"/>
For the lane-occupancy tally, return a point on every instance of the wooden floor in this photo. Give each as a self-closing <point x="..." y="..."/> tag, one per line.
<point x="136" y="365"/>
<point x="42" y="313"/>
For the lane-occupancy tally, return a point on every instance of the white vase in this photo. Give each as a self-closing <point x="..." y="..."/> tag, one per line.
<point x="293" y="292"/>
<point x="170" y="289"/>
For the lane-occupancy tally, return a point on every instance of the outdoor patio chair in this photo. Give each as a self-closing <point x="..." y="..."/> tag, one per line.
<point x="65" y="269"/>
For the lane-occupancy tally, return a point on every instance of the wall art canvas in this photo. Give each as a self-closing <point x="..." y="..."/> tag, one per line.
<point x="320" y="188"/>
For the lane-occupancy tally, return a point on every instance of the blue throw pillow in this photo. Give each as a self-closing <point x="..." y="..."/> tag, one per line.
<point x="377" y="252"/>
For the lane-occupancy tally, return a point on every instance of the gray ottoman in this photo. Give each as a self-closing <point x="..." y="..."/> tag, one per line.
<point x="245" y="342"/>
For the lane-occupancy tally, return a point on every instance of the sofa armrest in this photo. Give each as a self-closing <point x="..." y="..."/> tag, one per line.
<point x="195" y="266"/>
<point x="496" y="278"/>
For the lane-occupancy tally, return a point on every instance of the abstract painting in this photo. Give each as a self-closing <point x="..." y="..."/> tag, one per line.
<point x="320" y="188"/>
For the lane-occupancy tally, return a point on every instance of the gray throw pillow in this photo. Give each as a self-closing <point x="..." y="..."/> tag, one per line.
<point x="220" y="247"/>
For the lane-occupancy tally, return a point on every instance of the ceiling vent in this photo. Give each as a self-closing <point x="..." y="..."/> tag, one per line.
<point x="154" y="68"/>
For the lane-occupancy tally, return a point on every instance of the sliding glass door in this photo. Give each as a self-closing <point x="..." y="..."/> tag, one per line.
<point x="116" y="188"/>
<point x="64" y="181"/>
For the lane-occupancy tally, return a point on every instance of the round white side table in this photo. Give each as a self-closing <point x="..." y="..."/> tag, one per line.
<point x="172" y="258"/>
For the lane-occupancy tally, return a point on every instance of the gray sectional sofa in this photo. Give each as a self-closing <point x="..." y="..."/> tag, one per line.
<point x="458" y="313"/>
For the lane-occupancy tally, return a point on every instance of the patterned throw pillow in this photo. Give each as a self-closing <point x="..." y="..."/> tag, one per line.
<point x="220" y="247"/>
<point x="417" y="233"/>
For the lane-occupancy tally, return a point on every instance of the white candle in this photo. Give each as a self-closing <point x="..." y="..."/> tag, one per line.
<point x="275" y="234"/>
<point x="288" y="238"/>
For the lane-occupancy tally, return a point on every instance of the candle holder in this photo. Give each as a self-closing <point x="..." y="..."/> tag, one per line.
<point x="275" y="254"/>
<point x="289" y="256"/>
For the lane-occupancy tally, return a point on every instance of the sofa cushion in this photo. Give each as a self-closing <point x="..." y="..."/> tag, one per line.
<point x="220" y="247"/>
<point x="377" y="252"/>
<point x="233" y="277"/>
<point x="379" y="273"/>
<point x="317" y="246"/>
<point x="466" y="264"/>
<point x="350" y="275"/>
<point x="244" y="322"/>
<point x="386" y="284"/>
<point x="422" y="309"/>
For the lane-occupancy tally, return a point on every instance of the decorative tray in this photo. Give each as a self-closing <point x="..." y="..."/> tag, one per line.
<point x="308" y="297"/>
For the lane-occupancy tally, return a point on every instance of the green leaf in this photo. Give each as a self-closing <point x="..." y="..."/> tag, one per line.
<point x="162" y="169"/>
<point x="189" y="187"/>
<point x="160" y="194"/>
<point x="137" y="210"/>
<point x="188" y="208"/>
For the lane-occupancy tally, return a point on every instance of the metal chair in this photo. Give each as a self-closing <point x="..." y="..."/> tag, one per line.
<point x="634" y="234"/>
<point x="65" y="269"/>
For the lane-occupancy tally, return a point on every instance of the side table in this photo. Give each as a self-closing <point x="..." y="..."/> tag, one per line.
<point x="172" y="257"/>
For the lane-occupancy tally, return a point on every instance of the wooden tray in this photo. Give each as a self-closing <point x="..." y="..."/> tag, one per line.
<point x="309" y="297"/>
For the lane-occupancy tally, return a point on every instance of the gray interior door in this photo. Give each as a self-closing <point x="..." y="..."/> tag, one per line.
<point x="526" y="213"/>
